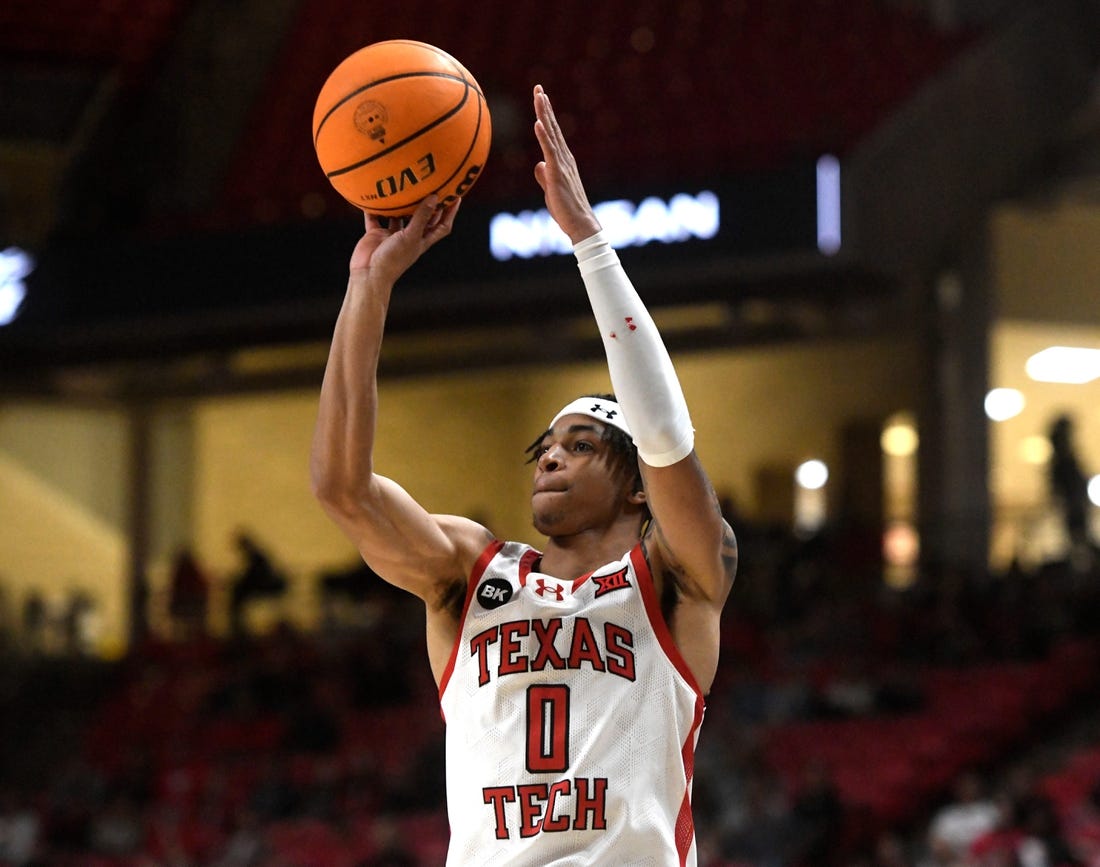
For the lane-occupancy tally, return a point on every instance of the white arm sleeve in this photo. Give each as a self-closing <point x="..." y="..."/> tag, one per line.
<point x="642" y="375"/>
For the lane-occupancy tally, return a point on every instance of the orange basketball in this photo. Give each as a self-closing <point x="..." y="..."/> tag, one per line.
<point x="397" y="121"/>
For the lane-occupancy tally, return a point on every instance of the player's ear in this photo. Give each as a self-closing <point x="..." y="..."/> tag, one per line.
<point x="637" y="497"/>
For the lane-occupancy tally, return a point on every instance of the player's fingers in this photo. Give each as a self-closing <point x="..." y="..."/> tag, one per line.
<point x="547" y="130"/>
<point x="418" y="221"/>
<point x="444" y="218"/>
<point x="542" y="134"/>
<point x="549" y="118"/>
<point x="439" y="214"/>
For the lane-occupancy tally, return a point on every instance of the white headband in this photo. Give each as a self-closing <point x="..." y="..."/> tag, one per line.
<point x="598" y="408"/>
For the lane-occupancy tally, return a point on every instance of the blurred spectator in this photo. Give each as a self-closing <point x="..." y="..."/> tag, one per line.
<point x="20" y="828"/>
<point x="188" y="595"/>
<point x="116" y="829"/>
<point x="379" y="676"/>
<point x="390" y="850"/>
<point x="817" y="817"/>
<point x="420" y="783"/>
<point x="324" y="789"/>
<point x="355" y="583"/>
<point x="1082" y="828"/>
<point x="7" y="626"/>
<point x="245" y="846"/>
<point x="1032" y="812"/>
<point x="76" y="790"/>
<point x="313" y="725"/>
<point x="1068" y="484"/>
<point x="274" y="795"/>
<point x="890" y="851"/>
<point x="1045" y="845"/>
<point x="35" y="621"/>
<point x="848" y="692"/>
<point x="284" y="707"/>
<point x="956" y="825"/>
<point x="762" y="837"/>
<point x="258" y="579"/>
<point x="77" y="623"/>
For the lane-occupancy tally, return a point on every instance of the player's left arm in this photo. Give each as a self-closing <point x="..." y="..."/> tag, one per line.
<point x="689" y="536"/>
<point x="692" y="552"/>
<point x="689" y="531"/>
<point x="690" y="545"/>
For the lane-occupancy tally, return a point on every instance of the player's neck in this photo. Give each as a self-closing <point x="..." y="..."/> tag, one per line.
<point x="569" y="557"/>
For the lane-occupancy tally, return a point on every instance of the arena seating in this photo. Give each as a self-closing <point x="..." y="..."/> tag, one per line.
<point x="212" y="726"/>
<point x="891" y="768"/>
<point x="123" y="36"/>
<point x="709" y="90"/>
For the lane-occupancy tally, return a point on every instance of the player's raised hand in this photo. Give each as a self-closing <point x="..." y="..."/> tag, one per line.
<point x="558" y="176"/>
<point x="389" y="248"/>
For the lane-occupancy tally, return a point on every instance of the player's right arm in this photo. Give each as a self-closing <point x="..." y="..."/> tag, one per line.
<point x="425" y="554"/>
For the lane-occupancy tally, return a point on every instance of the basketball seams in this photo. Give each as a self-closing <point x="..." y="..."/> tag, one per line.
<point x="417" y="134"/>
<point x="452" y="128"/>
<point x="461" y="166"/>
<point x="473" y="143"/>
<point x="379" y="81"/>
<point x="462" y="70"/>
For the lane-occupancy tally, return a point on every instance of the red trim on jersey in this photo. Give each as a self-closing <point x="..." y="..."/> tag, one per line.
<point x="528" y="561"/>
<point x="480" y="565"/>
<point x="657" y="619"/>
<point x="685" y="824"/>
<point x="579" y="581"/>
<point x="526" y="564"/>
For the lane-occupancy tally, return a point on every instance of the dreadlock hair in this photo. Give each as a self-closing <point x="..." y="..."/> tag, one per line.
<point x="623" y="458"/>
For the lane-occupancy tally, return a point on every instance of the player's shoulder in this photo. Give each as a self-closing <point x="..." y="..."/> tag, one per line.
<point x="467" y="540"/>
<point x="464" y="533"/>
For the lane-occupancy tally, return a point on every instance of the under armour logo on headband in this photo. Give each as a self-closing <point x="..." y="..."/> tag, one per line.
<point x="598" y="408"/>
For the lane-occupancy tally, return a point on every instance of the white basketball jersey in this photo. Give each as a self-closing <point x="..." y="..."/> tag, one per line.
<point x="571" y="720"/>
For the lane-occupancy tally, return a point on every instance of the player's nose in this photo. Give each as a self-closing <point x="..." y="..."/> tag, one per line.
<point x="551" y="459"/>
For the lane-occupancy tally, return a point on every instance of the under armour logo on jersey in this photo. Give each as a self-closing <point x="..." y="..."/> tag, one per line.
<point x="494" y="592"/>
<point x="608" y="413"/>
<point x="546" y="588"/>
<point x="607" y="583"/>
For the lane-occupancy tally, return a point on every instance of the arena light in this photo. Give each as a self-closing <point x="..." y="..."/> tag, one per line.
<point x="810" y="502"/>
<point x="1034" y="450"/>
<point x="900" y="544"/>
<point x="828" y="204"/>
<point x="683" y="217"/>
<point x="1072" y="365"/>
<point x="899" y="440"/>
<point x="1002" y="404"/>
<point x="15" y="264"/>
<point x="812" y="474"/>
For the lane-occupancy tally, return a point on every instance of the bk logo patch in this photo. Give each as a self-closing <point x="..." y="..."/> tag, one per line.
<point x="614" y="581"/>
<point x="494" y="592"/>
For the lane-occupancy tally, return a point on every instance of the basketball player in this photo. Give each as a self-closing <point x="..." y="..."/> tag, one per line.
<point x="572" y="679"/>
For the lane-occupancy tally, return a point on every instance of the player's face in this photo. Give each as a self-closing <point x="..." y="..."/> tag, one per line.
<point x="574" y="487"/>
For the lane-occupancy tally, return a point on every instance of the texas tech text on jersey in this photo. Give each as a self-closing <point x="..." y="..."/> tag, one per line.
<point x="519" y="646"/>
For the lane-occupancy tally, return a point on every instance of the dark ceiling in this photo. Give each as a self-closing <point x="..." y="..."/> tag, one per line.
<point x="156" y="160"/>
